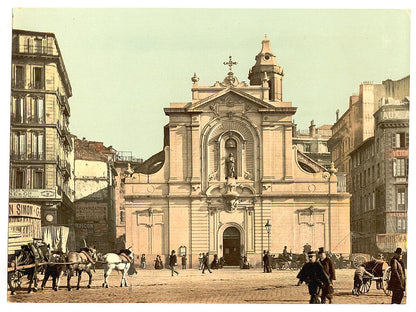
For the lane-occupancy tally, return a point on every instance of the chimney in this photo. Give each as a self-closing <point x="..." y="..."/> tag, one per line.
<point x="337" y="113"/>
<point x="294" y="129"/>
<point x="312" y="129"/>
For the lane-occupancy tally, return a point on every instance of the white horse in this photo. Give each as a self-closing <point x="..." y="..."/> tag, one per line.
<point x="119" y="262"/>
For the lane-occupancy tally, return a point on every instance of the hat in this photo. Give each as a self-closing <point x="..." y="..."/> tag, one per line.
<point x="321" y="250"/>
<point x="173" y="251"/>
<point x="398" y="251"/>
<point x="311" y="253"/>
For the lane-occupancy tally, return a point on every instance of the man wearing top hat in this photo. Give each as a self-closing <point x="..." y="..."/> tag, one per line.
<point x="329" y="269"/>
<point x="313" y="275"/>
<point x="397" y="283"/>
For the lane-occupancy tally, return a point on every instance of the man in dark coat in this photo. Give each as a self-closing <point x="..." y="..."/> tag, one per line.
<point x="265" y="262"/>
<point x="173" y="261"/>
<point x="184" y="261"/>
<point x="269" y="262"/>
<point x="397" y="283"/>
<point x="329" y="269"/>
<point x="313" y="275"/>
<point x="205" y="263"/>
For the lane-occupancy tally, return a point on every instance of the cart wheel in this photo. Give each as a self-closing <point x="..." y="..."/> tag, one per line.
<point x="357" y="261"/>
<point x="293" y="266"/>
<point x="16" y="279"/>
<point x="386" y="279"/>
<point x="365" y="287"/>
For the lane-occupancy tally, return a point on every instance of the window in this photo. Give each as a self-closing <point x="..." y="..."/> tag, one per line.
<point x="38" y="110"/>
<point x="19" y="145"/>
<point x="401" y="225"/>
<point x="38" y="45"/>
<point x="401" y="198"/>
<point x="307" y="148"/>
<point x="400" y="140"/>
<point x="19" y="179"/>
<point x="122" y="216"/>
<point x="38" y="180"/>
<point x="400" y="167"/>
<point x="19" y="77"/>
<point x="37" y="78"/>
<point x="18" y="109"/>
<point x="378" y="170"/>
<point x="37" y="146"/>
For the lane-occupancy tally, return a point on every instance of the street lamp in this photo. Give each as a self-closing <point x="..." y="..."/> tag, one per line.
<point x="268" y="229"/>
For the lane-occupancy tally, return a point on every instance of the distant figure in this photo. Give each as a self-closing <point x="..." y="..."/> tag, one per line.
<point x="329" y="269"/>
<point x="201" y="261"/>
<point x="285" y="253"/>
<point x="205" y="263"/>
<point x="184" y="260"/>
<point x="397" y="283"/>
<point x="307" y="248"/>
<point x="269" y="262"/>
<point x="143" y="261"/>
<point x="265" y="262"/>
<point x="313" y="275"/>
<point x="158" y="263"/>
<point x="173" y="261"/>
<point x="246" y="265"/>
<point x="215" y="264"/>
<point x="359" y="275"/>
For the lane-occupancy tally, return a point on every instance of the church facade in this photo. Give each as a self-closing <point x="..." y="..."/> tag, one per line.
<point x="227" y="168"/>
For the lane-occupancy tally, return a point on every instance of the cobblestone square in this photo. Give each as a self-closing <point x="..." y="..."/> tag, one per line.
<point x="191" y="286"/>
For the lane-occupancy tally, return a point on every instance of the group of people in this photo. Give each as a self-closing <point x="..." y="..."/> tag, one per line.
<point x="203" y="262"/>
<point x="267" y="262"/>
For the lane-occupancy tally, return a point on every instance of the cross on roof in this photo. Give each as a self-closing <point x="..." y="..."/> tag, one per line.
<point x="230" y="63"/>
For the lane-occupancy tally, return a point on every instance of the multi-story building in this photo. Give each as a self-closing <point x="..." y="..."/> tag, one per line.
<point x="314" y="143"/>
<point x="94" y="205"/>
<point x="41" y="145"/>
<point x="357" y="123"/>
<point x="379" y="182"/>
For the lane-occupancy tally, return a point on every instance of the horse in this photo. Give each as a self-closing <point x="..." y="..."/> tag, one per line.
<point x="31" y="255"/>
<point x="377" y="268"/>
<point x="55" y="269"/>
<point x="119" y="262"/>
<point x="79" y="262"/>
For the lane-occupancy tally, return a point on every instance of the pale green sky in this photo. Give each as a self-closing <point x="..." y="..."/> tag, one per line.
<point x="126" y="65"/>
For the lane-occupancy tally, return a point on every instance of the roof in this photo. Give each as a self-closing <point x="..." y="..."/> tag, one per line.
<point x="91" y="150"/>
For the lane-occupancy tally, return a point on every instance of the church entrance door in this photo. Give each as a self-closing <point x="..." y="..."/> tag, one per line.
<point x="231" y="243"/>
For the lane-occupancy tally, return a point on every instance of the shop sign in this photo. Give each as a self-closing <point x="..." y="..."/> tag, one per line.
<point x="401" y="153"/>
<point x="24" y="210"/>
<point x="23" y="193"/>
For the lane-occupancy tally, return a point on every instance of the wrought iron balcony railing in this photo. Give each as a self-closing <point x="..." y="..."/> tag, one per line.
<point x="34" y="49"/>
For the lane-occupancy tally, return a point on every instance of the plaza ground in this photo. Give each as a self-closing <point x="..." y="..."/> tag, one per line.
<point x="190" y="286"/>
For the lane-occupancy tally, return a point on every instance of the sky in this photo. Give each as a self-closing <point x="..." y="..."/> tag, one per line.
<point x="126" y="65"/>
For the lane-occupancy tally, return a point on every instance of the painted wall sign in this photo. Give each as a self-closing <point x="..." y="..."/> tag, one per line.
<point x="24" y="210"/>
<point x="86" y="211"/>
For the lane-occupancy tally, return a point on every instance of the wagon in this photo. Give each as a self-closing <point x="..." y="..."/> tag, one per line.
<point x="381" y="282"/>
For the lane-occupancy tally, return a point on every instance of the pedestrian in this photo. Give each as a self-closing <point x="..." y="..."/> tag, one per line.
<point x="201" y="261"/>
<point x="329" y="269"/>
<point x="397" y="283"/>
<point x="313" y="275"/>
<point x="184" y="260"/>
<point x="173" y="261"/>
<point x="143" y="261"/>
<point x="285" y="253"/>
<point x="359" y="275"/>
<point x="205" y="263"/>
<point x="158" y="263"/>
<point x="265" y="262"/>
<point x="269" y="262"/>
<point x="215" y="263"/>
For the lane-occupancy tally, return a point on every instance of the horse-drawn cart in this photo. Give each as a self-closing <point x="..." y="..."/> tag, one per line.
<point x="381" y="272"/>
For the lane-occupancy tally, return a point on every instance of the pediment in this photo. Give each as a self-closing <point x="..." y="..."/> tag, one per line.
<point x="230" y="100"/>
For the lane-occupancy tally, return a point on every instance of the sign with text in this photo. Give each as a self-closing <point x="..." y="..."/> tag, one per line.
<point x="400" y="153"/>
<point x="34" y="193"/>
<point x="395" y="114"/>
<point x="90" y="211"/>
<point x="24" y="210"/>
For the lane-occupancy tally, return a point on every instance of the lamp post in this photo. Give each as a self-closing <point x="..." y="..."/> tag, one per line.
<point x="268" y="227"/>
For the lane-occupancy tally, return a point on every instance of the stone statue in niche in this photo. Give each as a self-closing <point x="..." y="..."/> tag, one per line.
<point x="230" y="163"/>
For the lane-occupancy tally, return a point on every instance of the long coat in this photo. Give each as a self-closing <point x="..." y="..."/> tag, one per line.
<point x="398" y="275"/>
<point x="328" y="267"/>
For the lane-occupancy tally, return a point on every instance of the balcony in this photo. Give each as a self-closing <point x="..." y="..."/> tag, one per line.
<point x="66" y="136"/>
<point x="34" y="49"/>
<point x="65" y="104"/>
<point x="27" y="157"/>
<point x="37" y="85"/>
<point x="14" y="119"/>
<point x="66" y="170"/>
<point x="18" y="84"/>
<point x="18" y="156"/>
<point x="36" y="156"/>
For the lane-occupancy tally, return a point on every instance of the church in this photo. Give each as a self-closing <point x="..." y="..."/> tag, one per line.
<point x="229" y="168"/>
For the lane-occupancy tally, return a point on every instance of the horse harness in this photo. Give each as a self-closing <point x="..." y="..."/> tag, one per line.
<point x="85" y="257"/>
<point x="124" y="258"/>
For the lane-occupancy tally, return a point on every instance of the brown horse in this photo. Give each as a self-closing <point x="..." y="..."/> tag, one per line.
<point x="377" y="268"/>
<point x="82" y="261"/>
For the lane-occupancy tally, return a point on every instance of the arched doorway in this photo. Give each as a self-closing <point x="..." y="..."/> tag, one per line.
<point x="231" y="246"/>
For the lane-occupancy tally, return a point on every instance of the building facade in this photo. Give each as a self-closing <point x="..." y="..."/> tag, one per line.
<point x="380" y="182"/>
<point x="94" y="206"/>
<point x="314" y="143"/>
<point x="41" y="149"/>
<point x="227" y="168"/>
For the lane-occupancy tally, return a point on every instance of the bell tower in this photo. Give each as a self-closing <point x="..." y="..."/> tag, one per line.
<point x="266" y="65"/>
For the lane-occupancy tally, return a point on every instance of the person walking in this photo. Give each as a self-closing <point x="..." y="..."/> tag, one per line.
<point x="201" y="261"/>
<point x="269" y="262"/>
<point x="397" y="283"/>
<point x="173" y="261"/>
<point x="265" y="262"/>
<point x="143" y="261"/>
<point x="314" y="276"/>
<point x="329" y="269"/>
<point x="205" y="263"/>
<point x="184" y="260"/>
